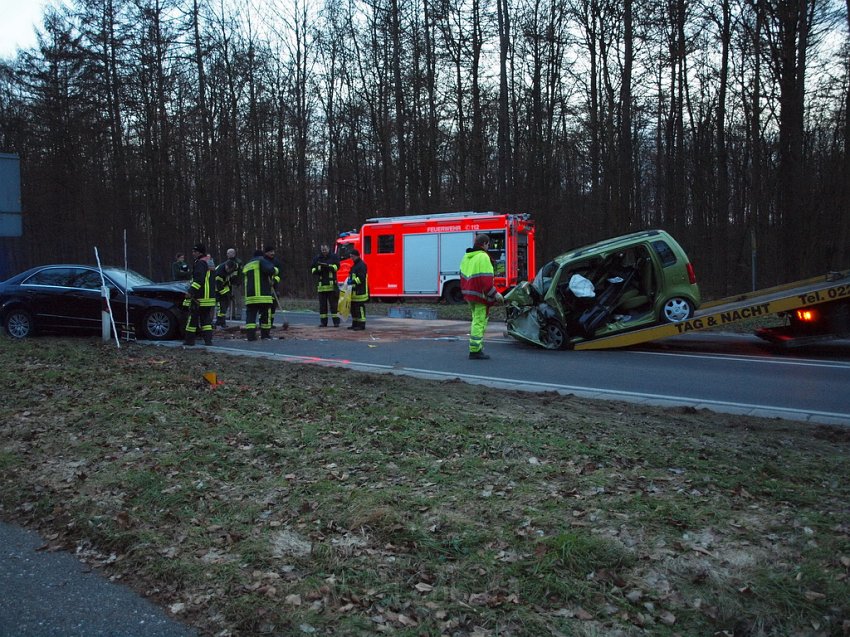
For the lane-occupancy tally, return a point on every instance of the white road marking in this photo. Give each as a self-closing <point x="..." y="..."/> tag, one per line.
<point x="657" y="400"/>
<point x="801" y="362"/>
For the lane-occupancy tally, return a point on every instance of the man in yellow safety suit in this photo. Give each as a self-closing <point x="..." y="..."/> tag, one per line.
<point x="476" y="283"/>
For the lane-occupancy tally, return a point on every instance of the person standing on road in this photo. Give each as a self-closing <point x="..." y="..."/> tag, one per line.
<point x="324" y="268"/>
<point x="476" y="283"/>
<point x="200" y="298"/>
<point x="358" y="280"/>
<point x="235" y="281"/>
<point x="269" y="255"/>
<point x="180" y="270"/>
<point x="259" y="276"/>
<point x="226" y="274"/>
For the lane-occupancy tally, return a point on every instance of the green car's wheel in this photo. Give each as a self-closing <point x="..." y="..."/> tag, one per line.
<point x="676" y="309"/>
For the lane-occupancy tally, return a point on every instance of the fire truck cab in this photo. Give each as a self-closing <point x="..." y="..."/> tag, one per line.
<point x="419" y="255"/>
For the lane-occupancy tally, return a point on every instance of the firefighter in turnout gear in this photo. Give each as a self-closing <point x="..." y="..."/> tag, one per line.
<point x="476" y="283"/>
<point x="270" y="254"/>
<point x="226" y="275"/>
<point x="358" y="280"/>
<point x="200" y="298"/>
<point x="324" y="268"/>
<point x="259" y="278"/>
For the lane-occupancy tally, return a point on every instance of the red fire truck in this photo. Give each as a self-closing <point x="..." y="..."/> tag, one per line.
<point x="419" y="255"/>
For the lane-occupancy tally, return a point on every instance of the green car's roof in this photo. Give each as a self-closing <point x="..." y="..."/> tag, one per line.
<point x="614" y="243"/>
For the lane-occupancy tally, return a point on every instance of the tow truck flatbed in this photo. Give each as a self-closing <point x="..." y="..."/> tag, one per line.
<point x="834" y="286"/>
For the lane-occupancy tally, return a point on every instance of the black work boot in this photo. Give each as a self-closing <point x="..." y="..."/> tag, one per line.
<point x="265" y="334"/>
<point x="336" y="322"/>
<point x="207" y="338"/>
<point x="252" y="335"/>
<point x="478" y="356"/>
<point x="189" y="340"/>
<point x="220" y="322"/>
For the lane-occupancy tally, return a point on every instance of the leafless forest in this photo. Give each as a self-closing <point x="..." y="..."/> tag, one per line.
<point x="244" y="122"/>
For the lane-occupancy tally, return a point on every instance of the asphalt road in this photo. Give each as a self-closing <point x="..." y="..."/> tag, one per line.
<point x="48" y="594"/>
<point x="730" y="373"/>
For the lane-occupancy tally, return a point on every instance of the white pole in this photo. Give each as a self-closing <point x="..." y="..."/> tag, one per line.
<point x="105" y="324"/>
<point x="107" y="320"/>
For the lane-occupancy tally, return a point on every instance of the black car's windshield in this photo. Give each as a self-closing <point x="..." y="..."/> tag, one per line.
<point x="132" y="279"/>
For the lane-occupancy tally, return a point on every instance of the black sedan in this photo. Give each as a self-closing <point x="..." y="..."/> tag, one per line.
<point x="67" y="298"/>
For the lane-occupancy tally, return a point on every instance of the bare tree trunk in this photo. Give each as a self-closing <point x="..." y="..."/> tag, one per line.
<point x="433" y="171"/>
<point x="400" y="197"/>
<point x="591" y="19"/>
<point x="203" y="166"/>
<point x="842" y="253"/>
<point x="477" y="141"/>
<point x="721" y="252"/>
<point x="455" y="44"/>
<point x="758" y="222"/>
<point x="120" y="187"/>
<point x="505" y="168"/>
<point x="624" y="139"/>
<point x="793" y="32"/>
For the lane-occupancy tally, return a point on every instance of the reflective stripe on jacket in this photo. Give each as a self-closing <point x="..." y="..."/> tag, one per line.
<point x="258" y="276"/>
<point x="202" y="287"/>
<point x="359" y="280"/>
<point x="476" y="277"/>
<point x="325" y="267"/>
<point x="222" y="279"/>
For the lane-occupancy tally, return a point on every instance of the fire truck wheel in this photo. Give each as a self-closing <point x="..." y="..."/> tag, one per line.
<point x="452" y="293"/>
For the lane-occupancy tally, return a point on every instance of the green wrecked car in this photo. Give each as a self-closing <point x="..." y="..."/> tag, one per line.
<point x="612" y="286"/>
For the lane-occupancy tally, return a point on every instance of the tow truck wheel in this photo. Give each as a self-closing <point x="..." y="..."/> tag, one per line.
<point x="555" y="335"/>
<point x="452" y="293"/>
<point x="677" y="309"/>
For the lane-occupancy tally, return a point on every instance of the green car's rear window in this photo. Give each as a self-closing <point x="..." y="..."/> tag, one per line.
<point x="664" y="253"/>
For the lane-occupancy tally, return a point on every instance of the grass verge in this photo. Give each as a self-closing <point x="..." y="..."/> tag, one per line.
<point x="295" y="499"/>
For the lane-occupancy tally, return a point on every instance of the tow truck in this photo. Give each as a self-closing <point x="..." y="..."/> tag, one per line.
<point x="817" y="309"/>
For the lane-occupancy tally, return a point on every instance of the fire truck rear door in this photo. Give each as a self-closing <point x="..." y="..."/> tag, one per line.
<point x="420" y="257"/>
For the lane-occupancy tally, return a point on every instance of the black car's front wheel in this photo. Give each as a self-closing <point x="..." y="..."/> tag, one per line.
<point x="19" y="323"/>
<point x="158" y="325"/>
